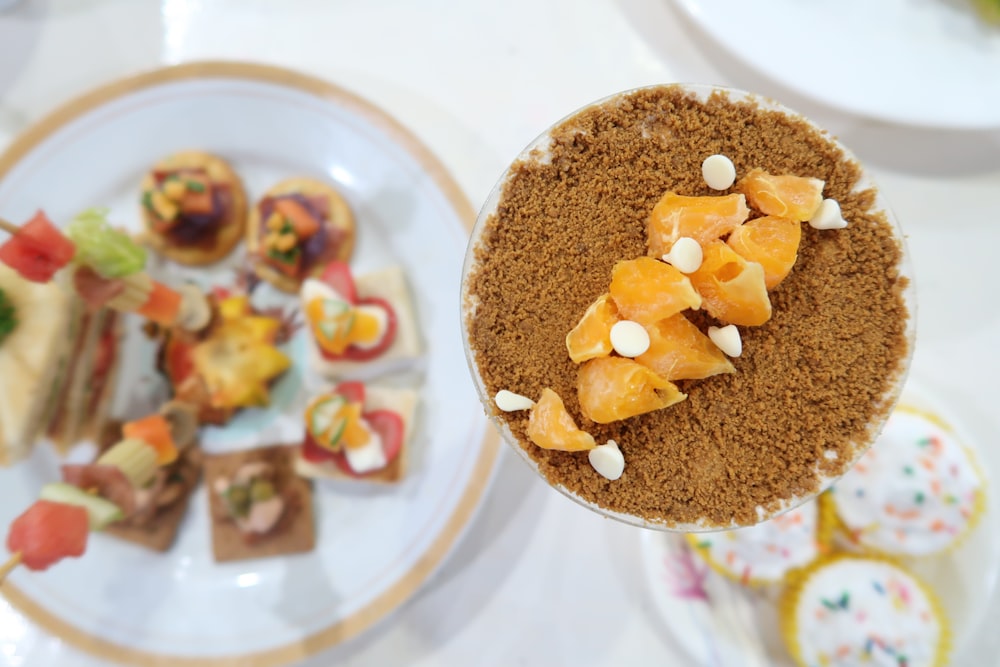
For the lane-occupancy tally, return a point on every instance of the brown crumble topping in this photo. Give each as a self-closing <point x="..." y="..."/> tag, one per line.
<point x="811" y="379"/>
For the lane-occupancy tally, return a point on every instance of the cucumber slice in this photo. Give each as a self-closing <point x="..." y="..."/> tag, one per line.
<point x="324" y="415"/>
<point x="334" y="308"/>
<point x="134" y="458"/>
<point x="328" y="329"/>
<point x="100" y="511"/>
<point x="333" y="444"/>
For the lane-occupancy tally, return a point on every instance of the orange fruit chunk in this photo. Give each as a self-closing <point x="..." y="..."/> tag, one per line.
<point x="614" y="388"/>
<point x="646" y="290"/>
<point x="733" y="289"/>
<point x="550" y="426"/>
<point x="786" y="196"/>
<point x="591" y="337"/>
<point x="702" y="218"/>
<point x="771" y="242"/>
<point x="678" y="350"/>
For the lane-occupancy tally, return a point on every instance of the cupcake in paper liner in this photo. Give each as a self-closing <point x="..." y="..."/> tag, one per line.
<point x="763" y="554"/>
<point x="916" y="492"/>
<point x="849" y="610"/>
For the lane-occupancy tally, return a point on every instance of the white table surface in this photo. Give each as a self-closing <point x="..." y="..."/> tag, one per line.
<point x="538" y="580"/>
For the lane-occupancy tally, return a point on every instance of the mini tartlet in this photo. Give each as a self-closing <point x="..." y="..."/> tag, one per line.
<point x="296" y="229"/>
<point x="194" y="208"/>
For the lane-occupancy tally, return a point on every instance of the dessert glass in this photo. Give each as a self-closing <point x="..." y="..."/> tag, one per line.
<point x="538" y="150"/>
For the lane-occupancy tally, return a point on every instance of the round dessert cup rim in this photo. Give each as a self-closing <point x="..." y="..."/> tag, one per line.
<point x="537" y="148"/>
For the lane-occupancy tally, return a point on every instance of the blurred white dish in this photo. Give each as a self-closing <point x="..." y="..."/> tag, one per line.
<point x="375" y="547"/>
<point x="930" y="63"/>
<point x="719" y="623"/>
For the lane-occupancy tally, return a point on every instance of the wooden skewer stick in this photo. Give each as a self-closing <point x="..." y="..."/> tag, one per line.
<point x="9" y="227"/>
<point x="9" y="566"/>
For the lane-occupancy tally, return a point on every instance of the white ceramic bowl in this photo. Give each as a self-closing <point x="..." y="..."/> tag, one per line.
<point x="540" y="147"/>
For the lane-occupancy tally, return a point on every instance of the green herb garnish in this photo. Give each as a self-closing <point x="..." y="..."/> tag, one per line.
<point x="195" y="186"/>
<point x="147" y="200"/>
<point x="288" y="257"/>
<point x="8" y="316"/>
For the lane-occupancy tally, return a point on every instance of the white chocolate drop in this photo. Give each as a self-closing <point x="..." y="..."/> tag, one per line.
<point x="727" y="339"/>
<point x="685" y="255"/>
<point x="607" y="460"/>
<point x="719" y="172"/>
<point x="828" y="216"/>
<point x="508" y="401"/>
<point x="629" y="338"/>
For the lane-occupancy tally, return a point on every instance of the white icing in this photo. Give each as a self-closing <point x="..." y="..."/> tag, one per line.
<point x="768" y="550"/>
<point x="857" y="611"/>
<point x="913" y="492"/>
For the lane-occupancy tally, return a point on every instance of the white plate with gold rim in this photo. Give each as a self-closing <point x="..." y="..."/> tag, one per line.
<point x="927" y="63"/>
<point x="719" y="623"/>
<point x="375" y="547"/>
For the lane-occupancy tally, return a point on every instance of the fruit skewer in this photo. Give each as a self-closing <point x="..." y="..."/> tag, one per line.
<point x="95" y="495"/>
<point x="108" y="268"/>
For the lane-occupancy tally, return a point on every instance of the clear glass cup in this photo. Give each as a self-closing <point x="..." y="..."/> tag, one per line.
<point x="888" y="399"/>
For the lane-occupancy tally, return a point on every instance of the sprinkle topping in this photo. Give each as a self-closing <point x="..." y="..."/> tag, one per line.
<point x="861" y="611"/>
<point x="913" y="492"/>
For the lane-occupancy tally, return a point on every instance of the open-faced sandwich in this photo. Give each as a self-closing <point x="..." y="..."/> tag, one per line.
<point x="194" y="208"/>
<point x="358" y="432"/>
<point x="160" y="506"/>
<point x="296" y="229"/>
<point x="37" y="328"/>
<point x="259" y="506"/>
<point x="359" y="329"/>
<point x="126" y="480"/>
<point x="229" y="364"/>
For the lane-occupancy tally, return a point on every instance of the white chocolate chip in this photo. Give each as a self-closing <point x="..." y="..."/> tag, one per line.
<point x="719" y="172"/>
<point x="508" y="401"/>
<point x="685" y="255"/>
<point x="607" y="460"/>
<point x="828" y="216"/>
<point x="629" y="338"/>
<point x="727" y="339"/>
